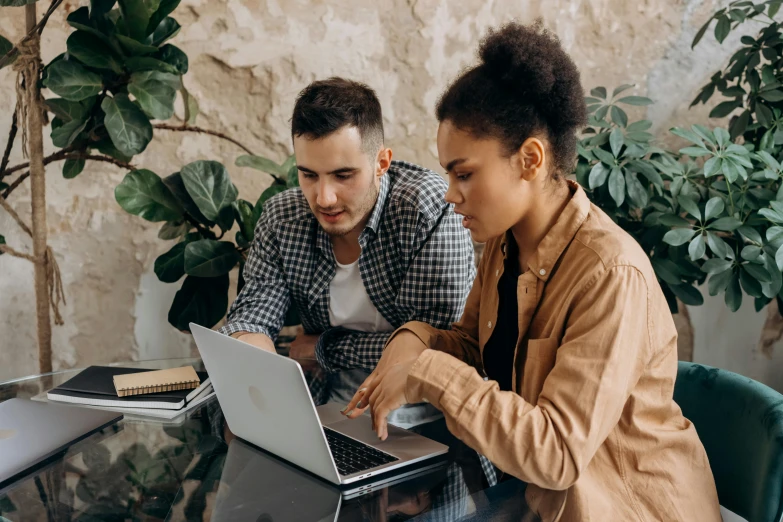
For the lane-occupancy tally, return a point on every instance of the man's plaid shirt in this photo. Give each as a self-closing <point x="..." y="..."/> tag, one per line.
<point x="417" y="264"/>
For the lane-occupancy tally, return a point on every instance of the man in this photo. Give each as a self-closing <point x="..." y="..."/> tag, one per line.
<point x="363" y="246"/>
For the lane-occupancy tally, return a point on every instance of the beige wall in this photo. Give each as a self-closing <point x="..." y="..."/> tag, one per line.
<point x="248" y="59"/>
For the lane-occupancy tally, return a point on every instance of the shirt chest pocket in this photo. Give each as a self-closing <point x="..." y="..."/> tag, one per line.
<point x="539" y="361"/>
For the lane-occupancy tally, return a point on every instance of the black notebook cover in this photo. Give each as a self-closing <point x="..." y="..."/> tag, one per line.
<point x="95" y="385"/>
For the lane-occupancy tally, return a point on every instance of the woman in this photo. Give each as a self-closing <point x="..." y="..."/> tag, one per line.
<point x="566" y="318"/>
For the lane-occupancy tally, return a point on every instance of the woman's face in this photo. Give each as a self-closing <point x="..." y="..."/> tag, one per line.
<point x="492" y="191"/>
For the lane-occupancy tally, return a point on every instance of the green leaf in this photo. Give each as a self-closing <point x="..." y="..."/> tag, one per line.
<point x="758" y="272"/>
<point x="723" y="109"/>
<point x="678" y="236"/>
<point x="146" y="63"/>
<point x="773" y="288"/>
<point x="750" y="252"/>
<point x="619" y="116"/>
<point x="108" y="148"/>
<point x="210" y="258"/>
<point x="165" y="8"/>
<point x="177" y="187"/>
<point x="751" y="286"/>
<point x="733" y="294"/>
<point x="695" y="151"/>
<point x="772" y="96"/>
<point x="73" y="167"/>
<point x="173" y="229"/>
<point x="67" y="133"/>
<point x="718" y="246"/>
<point x="670" y="220"/>
<point x="599" y="92"/>
<point x="598" y="175"/>
<point x="715" y="266"/>
<point x="751" y="234"/>
<point x="5" y="46"/>
<point x="739" y="125"/>
<point x="622" y="88"/>
<point x="208" y="184"/>
<point x="688" y="135"/>
<point x="130" y="130"/>
<point x="92" y="51"/>
<point x="174" y="57"/>
<point x="697" y="248"/>
<point x="167" y="28"/>
<point x="722" y="136"/>
<point x="689" y="206"/>
<point x="727" y="224"/>
<point x="617" y="186"/>
<point x="764" y="115"/>
<point x="101" y="7"/>
<point x="616" y="141"/>
<point x="700" y="33"/>
<point x="667" y="270"/>
<point x="722" y="28"/>
<point x="170" y="267"/>
<point x="263" y="164"/>
<point x="774" y="7"/>
<point x="66" y="110"/>
<point x="648" y="171"/>
<point x="155" y="98"/>
<point x="172" y="80"/>
<point x="244" y="216"/>
<point x="136" y="15"/>
<point x="142" y="193"/>
<point x="202" y="301"/>
<point x="269" y="193"/>
<point x="719" y="281"/>
<point x="191" y="106"/>
<point x="2" y="242"/>
<point x="779" y="258"/>
<point x="636" y="191"/>
<point x="72" y="81"/>
<point x="714" y="208"/>
<point x="688" y="294"/>
<point x="635" y="100"/>
<point x="774" y="234"/>
<point x="135" y="48"/>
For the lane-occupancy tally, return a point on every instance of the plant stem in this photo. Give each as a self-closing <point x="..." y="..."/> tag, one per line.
<point x="9" y="145"/>
<point x="191" y="128"/>
<point x="39" y="27"/>
<point x="31" y="73"/>
<point x="731" y="199"/>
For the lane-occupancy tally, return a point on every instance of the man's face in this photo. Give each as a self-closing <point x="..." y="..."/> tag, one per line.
<point x="339" y="179"/>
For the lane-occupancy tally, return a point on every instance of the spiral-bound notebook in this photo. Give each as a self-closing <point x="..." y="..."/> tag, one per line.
<point x="95" y="386"/>
<point x="157" y="381"/>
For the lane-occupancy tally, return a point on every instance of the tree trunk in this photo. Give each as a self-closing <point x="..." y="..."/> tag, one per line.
<point x="38" y="193"/>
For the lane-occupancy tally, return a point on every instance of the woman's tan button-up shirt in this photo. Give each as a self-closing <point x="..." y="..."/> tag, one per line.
<point x="590" y="423"/>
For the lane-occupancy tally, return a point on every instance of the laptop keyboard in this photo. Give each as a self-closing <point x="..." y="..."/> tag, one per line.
<point x="352" y="456"/>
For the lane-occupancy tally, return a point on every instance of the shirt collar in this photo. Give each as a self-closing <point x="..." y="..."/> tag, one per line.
<point x="559" y="236"/>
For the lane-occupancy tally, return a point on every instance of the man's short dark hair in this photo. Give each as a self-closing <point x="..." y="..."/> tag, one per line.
<point x="326" y="106"/>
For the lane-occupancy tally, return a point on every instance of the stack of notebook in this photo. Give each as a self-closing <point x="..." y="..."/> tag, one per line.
<point x="97" y="387"/>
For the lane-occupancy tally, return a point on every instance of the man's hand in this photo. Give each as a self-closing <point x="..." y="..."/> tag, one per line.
<point x="303" y="351"/>
<point x="258" y="340"/>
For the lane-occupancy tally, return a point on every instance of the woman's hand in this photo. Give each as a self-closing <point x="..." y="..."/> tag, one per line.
<point x="383" y="394"/>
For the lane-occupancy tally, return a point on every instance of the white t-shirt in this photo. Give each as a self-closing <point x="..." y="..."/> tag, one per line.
<point x="349" y="304"/>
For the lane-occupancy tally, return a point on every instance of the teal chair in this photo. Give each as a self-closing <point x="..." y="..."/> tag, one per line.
<point x="740" y="423"/>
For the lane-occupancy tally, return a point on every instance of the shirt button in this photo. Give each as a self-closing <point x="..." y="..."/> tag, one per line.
<point x="542" y="272"/>
<point x="489" y="324"/>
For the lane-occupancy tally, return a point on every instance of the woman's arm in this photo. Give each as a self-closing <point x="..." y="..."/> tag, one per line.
<point x="604" y="350"/>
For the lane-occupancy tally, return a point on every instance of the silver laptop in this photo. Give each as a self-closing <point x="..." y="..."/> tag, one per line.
<point x="266" y="401"/>
<point x="33" y="431"/>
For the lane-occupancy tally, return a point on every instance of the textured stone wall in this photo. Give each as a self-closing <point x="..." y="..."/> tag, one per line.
<point x="248" y="60"/>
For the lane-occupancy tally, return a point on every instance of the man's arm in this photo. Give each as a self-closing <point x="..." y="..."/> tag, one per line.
<point x="433" y="291"/>
<point x="258" y="312"/>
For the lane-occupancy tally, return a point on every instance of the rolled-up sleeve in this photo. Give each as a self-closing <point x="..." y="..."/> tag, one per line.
<point x="600" y="358"/>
